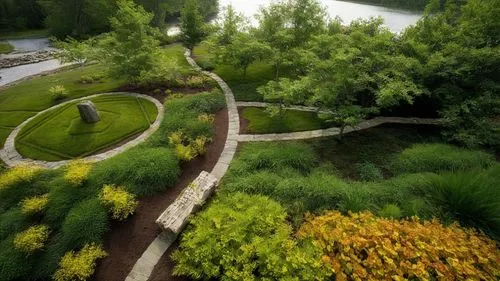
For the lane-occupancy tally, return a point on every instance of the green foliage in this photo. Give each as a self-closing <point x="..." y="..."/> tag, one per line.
<point x="58" y="92"/>
<point x="86" y="222"/>
<point x="31" y="239"/>
<point x="12" y="221"/>
<point x="192" y="25"/>
<point x="143" y="171"/>
<point x="439" y="157"/>
<point x="121" y="203"/>
<point x="471" y="197"/>
<point x="369" y="172"/>
<point x="261" y="156"/>
<point x="241" y="237"/>
<point x="77" y="172"/>
<point x="79" y="265"/>
<point x="390" y="211"/>
<point x="21" y="14"/>
<point x="17" y="175"/>
<point x="6" y="48"/>
<point x="34" y="205"/>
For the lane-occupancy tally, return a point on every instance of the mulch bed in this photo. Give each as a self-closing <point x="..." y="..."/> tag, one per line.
<point x="127" y="240"/>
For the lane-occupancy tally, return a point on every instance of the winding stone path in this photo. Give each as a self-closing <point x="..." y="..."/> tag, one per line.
<point x="145" y="264"/>
<point x="11" y="157"/>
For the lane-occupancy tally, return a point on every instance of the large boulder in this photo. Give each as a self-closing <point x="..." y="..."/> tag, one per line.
<point x="88" y="112"/>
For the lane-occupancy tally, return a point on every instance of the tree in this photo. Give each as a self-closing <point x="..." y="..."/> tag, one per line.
<point x="192" y="25"/>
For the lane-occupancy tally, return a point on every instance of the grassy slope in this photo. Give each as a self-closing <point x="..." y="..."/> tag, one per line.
<point x="61" y="134"/>
<point x="30" y="33"/>
<point x="21" y="101"/>
<point x="244" y="88"/>
<point x="6" y="48"/>
<point x="260" y="122"/>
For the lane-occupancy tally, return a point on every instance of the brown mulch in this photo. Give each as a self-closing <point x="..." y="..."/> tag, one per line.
<point x="127" y="240"/>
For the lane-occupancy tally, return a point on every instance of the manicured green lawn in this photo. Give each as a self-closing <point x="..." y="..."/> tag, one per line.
<point x="29" y="33"/>
<point x="244" y="87"/>
<point x="260" y="122"/>
<point x="6" y="48"/>
<point x="177" y="51"/>
<point x="61" y="134"/>
<point x="21" y="101"/>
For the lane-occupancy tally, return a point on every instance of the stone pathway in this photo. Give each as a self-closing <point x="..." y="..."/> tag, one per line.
<point x="11" y="157"/>
<point x="145" y="264"/>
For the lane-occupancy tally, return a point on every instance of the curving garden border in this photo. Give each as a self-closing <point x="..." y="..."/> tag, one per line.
<point x="11" y="156"/>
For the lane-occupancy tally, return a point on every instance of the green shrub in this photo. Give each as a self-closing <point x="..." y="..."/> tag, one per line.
<point x="368" y="171"/>
<point x="80" y="265"/>
<point x="143" y="171"/>
<point x="276" y="156"/>
<point x="439" y="157"/>
<point x="77" y="172"/>
<point x="241" y="237"/>
<point x="471" y="197"/>
<point x="58" y="92"/>
<point x="34" y="205"/>
<point x="120" y="203"/>
<point x="14" y="264"/>
<point x="12" y="221"/>
<point x="86" y="222"/>
<point x="31" y="239"/>
<point x="390" y="211"/>
<point x="18" y="175"/>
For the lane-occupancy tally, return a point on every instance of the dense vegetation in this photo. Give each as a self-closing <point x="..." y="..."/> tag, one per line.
<point x="444" y="66"/>
<point x="82" y="18"/>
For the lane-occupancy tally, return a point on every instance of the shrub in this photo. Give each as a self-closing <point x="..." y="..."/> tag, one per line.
<point x="439" y="157"/>
<point x="93" y="78"/>
<point x="58" y="92"/>
<point x="17" y="175"/>
<point x="276" y="156"/>
<point x="369" y="172"/>
<point x="80" y="265"/>
<point x="187" y="149"/>
<point x="11" y="222"/>
<point x="85" y="223"/>
<point x="143" y="171"/>
<point x="185" y="152"/>
<point x="199" y="145"/>
<point x="472" y="197"/>
<point x="31" y="239"/>
<point x="208" y="118"/>
<point x="34" y="204"/>
<point x="198" y="82"/>
<point x="14" y="264"/>
<point x="77" y="172"/>
<point x="242" y="237"/>
<point x="121" y="203"/>
<point x="390" y="211"/>
<point x="364" y="247"/>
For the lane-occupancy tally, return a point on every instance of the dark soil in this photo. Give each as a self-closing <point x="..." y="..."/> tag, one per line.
<point x="127" y="240"/>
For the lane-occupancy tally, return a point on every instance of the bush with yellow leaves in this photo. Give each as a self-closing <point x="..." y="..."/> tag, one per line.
<point x="34" y="205"/>
<point x="77" y="172"/>
<point x="80" y="265"/>
<point x="365" y="247"/>
<point x="207" y="118"/>
<point x="17" y="175"/>
<point x="31" y="239"/>
<point x="121" y="203"/>
<point x="185" y="148"/>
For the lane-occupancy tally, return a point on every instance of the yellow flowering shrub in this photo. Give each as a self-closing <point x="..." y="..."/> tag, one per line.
<point x="365" y="247"/>
<point x="31" y="239"/>
<point x="18" y="174"/>
<point x="77" y="172"/>
<point x="34" y="204"/>
<point x="185" y="148"/>
<point x="207" y="118"/>
<point x="199" y="145"/>
<point x="80" y="265"/>
<point x="120" y="202"/>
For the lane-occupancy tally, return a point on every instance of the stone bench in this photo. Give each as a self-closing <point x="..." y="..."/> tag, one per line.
<point x="175" y="217"/>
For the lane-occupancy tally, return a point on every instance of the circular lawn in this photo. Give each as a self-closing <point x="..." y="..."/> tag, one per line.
<point x="60" y="134"/>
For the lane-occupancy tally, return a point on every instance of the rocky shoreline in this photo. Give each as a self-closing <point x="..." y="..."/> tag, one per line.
<point x="28" y="58"/>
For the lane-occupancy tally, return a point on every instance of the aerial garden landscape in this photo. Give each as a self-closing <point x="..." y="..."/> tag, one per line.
<point x="293" y="145"/>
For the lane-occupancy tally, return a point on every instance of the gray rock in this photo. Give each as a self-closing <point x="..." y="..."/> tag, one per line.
<point x="88" y="111"/>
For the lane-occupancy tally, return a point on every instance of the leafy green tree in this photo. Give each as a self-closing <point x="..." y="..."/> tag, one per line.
<point x="192" y="25"/>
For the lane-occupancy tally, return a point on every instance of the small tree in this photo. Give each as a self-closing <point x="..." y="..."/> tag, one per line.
<point x="192" y="25"/>
<point x="244" y="50"/>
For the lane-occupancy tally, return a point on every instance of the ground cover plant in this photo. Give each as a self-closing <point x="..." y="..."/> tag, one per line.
<point x="61" y="134"/>
<point x="6" y="48"/>
<point x="80" y="203"/>
<point x="261" y="121"/>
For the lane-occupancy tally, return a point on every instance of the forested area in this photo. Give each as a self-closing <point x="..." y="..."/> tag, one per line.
<point x="82" y="18"/>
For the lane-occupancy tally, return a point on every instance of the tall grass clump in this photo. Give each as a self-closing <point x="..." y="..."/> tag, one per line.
<point x="142" y="171"/>
<point x="275" y="156"/>
<point x="471" y="197"/>
<point x="438" y="158"/>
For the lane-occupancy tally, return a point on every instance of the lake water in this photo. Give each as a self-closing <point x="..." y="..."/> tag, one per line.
<point x="395" y="19"/>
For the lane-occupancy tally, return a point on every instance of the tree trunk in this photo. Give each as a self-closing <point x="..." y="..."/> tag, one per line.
<point x="341" y="134"/>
